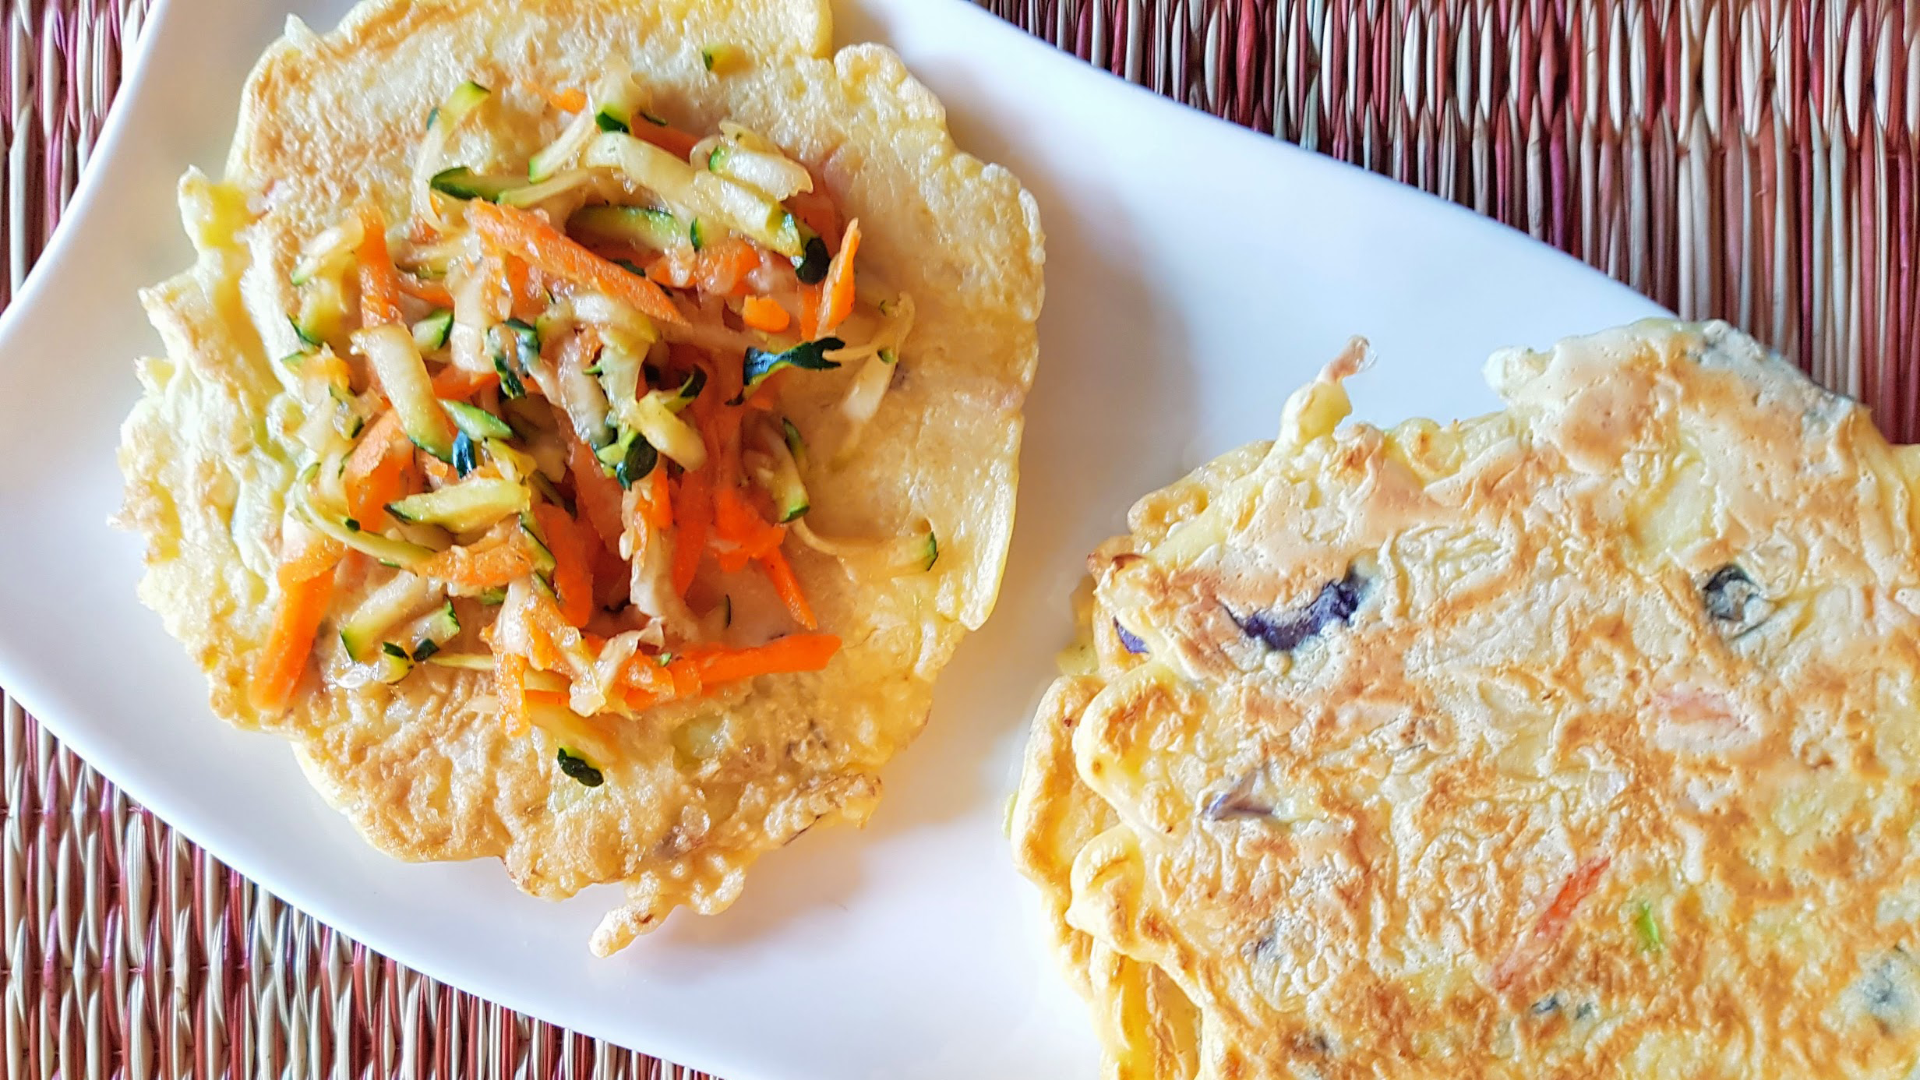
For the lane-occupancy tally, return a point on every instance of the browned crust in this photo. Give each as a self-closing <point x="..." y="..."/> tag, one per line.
<point x="1429" y="841"/>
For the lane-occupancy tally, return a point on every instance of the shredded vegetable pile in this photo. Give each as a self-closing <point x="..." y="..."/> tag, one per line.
<point x="551" y="400"/>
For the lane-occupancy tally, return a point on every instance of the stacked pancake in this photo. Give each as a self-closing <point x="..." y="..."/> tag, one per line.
<point x="1578" y="739"/>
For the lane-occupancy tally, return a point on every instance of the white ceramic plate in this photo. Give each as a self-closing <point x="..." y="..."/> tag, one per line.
<point x="1197" y="273"/>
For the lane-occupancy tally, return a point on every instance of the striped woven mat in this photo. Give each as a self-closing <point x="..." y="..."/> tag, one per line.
<point x="1749" y="159"/>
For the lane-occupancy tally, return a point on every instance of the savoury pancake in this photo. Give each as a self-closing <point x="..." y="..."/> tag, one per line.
<point x="1574" y="740"/>
<point x="1146" y="1026"/>
<point x="534" y="451"/>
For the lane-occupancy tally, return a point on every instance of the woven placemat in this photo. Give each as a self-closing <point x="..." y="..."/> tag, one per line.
<point x="1750" y="160"/>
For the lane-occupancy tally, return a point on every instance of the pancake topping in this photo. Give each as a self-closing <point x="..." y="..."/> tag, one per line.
<point x="557" y="395"/>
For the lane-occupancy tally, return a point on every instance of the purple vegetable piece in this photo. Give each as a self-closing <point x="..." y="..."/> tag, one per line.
<point x="1129" y="640"/>
<point x="1237" y="802"/>
<point x="1231" y="805"/>
<point x="1734" y="602"/>
<point x="1284" y="631"/>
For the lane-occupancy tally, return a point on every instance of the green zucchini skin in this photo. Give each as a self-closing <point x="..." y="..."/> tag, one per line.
<point x="461" y="182"/>
<point x="644" y="227"/>
<point x="470" y="504"/>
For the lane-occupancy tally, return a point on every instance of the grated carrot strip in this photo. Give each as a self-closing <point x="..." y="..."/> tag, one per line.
<point x="839" y="284"/>
<point x="764" y="313"/>
<point x="431" y="292"/>
<point x="296" y="623"/>
<point x="379" y="280"/>
<point x="529" y="236"/>
<point x="380" y="470"/>
<point x="572" y="568"/>
<point x="780" y="574"/>
<point x="510" y="685"/>
<point x="1552" y="924"/>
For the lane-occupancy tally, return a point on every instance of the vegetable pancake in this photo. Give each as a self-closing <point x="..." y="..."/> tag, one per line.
<point x="588" y="428"/>
<point x="1574" y="740"/>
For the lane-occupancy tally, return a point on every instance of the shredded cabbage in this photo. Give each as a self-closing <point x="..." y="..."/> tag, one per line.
<point x="870" y="383"/>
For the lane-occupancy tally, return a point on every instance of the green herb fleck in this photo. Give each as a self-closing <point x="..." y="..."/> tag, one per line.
<point x="809" y="355"/>
<point x="637" y="463"/>
<point x="630" y="458"/>
<point x="690" y="389"/>
<point x="811" y="266"/>
<point x="578" y="768"/>
<point x="464" y="460"/>
<point x="510" y="384"/>
<point x="1648" y="928"/>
